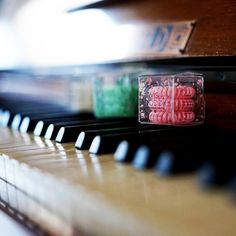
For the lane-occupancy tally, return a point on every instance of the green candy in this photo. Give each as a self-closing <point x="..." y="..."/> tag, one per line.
<point x="117" y="100"/>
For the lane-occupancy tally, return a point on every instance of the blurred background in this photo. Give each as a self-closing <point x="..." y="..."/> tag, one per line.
<point x="36" y="35"/>
<point x="43" y="33"/>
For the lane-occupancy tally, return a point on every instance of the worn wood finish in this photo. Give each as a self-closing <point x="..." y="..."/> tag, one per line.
<point x="214" y="34"/>
<point x="102" y="197"/>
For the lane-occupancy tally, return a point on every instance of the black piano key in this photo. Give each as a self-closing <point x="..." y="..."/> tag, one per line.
<point x="70" y="133"/>
<point x="177" y="161"/>
<point x="25" y="125"/>
<point x="216" y="173"/>
<point x="143" y="158"/>
<point x="16" y="122"/>
<point x="29" y="123"/>
<point x="51" y="133"/>
<point x="164" y="165"/>
<point x="6" y="118"/>
<point x="50" y="118"/>
<point x="179" y="154"/>
<point x="38" y="128"/>
<point x="220" y="164"/>
<point x="147" y="155"/>
<point x="35" y="110"/>
<point x="42" y="125"/>
<point x="210" y="175"/>
<point x="107" y="143"/>
<point x="125" y="151"/>
<point x="1" y="112"/>
<point x="232" y="185"/>
<point x="103" y="144"/>
<point x="156" y="141"/>
<point x="16" y="119"/>
<point x="54" y="128"/>
<point x="85" y="138"/>
<point x="207" y="176"/>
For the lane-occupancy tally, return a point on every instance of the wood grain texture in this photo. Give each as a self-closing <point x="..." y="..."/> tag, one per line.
<point x="215" y="30"/>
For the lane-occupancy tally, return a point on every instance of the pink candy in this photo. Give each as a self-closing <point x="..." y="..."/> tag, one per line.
<point x="179" y="92"/>
<point x="166" y="104"/>
<point x="179" y="117"/>
<point x="171" y="99"/>
<point x="169" y="109"/>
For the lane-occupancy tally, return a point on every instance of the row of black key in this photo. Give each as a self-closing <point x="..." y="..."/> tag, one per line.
<point x="168" y="150"/>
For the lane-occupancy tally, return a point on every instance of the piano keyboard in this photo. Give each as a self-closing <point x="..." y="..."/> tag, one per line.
<point x="67" y="191"/>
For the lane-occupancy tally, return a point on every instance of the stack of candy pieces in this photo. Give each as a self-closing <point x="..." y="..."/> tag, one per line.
<point x="115" y="95"/>
<point x="171" y="99"/>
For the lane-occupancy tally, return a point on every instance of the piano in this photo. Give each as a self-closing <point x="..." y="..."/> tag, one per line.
<point x="69" y="167"/>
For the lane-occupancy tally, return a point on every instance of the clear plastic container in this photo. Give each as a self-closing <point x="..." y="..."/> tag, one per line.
<point x="116" y="95"/>
<point x="171" y="99"/>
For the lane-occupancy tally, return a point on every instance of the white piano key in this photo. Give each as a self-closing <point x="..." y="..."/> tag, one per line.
<point x="11" y="190"/>
<point x="10" y="170"/>
<point x="2" y="167"/>
<point x="3" y="191"/>
<point x="22" y="202"/>
<point x="4" y="161"/>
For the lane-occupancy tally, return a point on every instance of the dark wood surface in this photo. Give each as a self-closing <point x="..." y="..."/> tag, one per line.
<point x="215" y="30"/>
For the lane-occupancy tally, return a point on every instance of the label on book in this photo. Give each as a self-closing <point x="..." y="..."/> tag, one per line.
<point x="162" y="39"/>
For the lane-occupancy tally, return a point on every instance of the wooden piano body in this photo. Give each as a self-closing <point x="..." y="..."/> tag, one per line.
<point x="55" y="189"/>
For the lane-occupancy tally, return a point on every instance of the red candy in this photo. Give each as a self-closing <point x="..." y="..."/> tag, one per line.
<point x="179" y="92"/>
<point x="178" y="117"/>
<point x="167" y="104"/>
<point x="168" y="109"/>
<point x="172" y="99"/>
